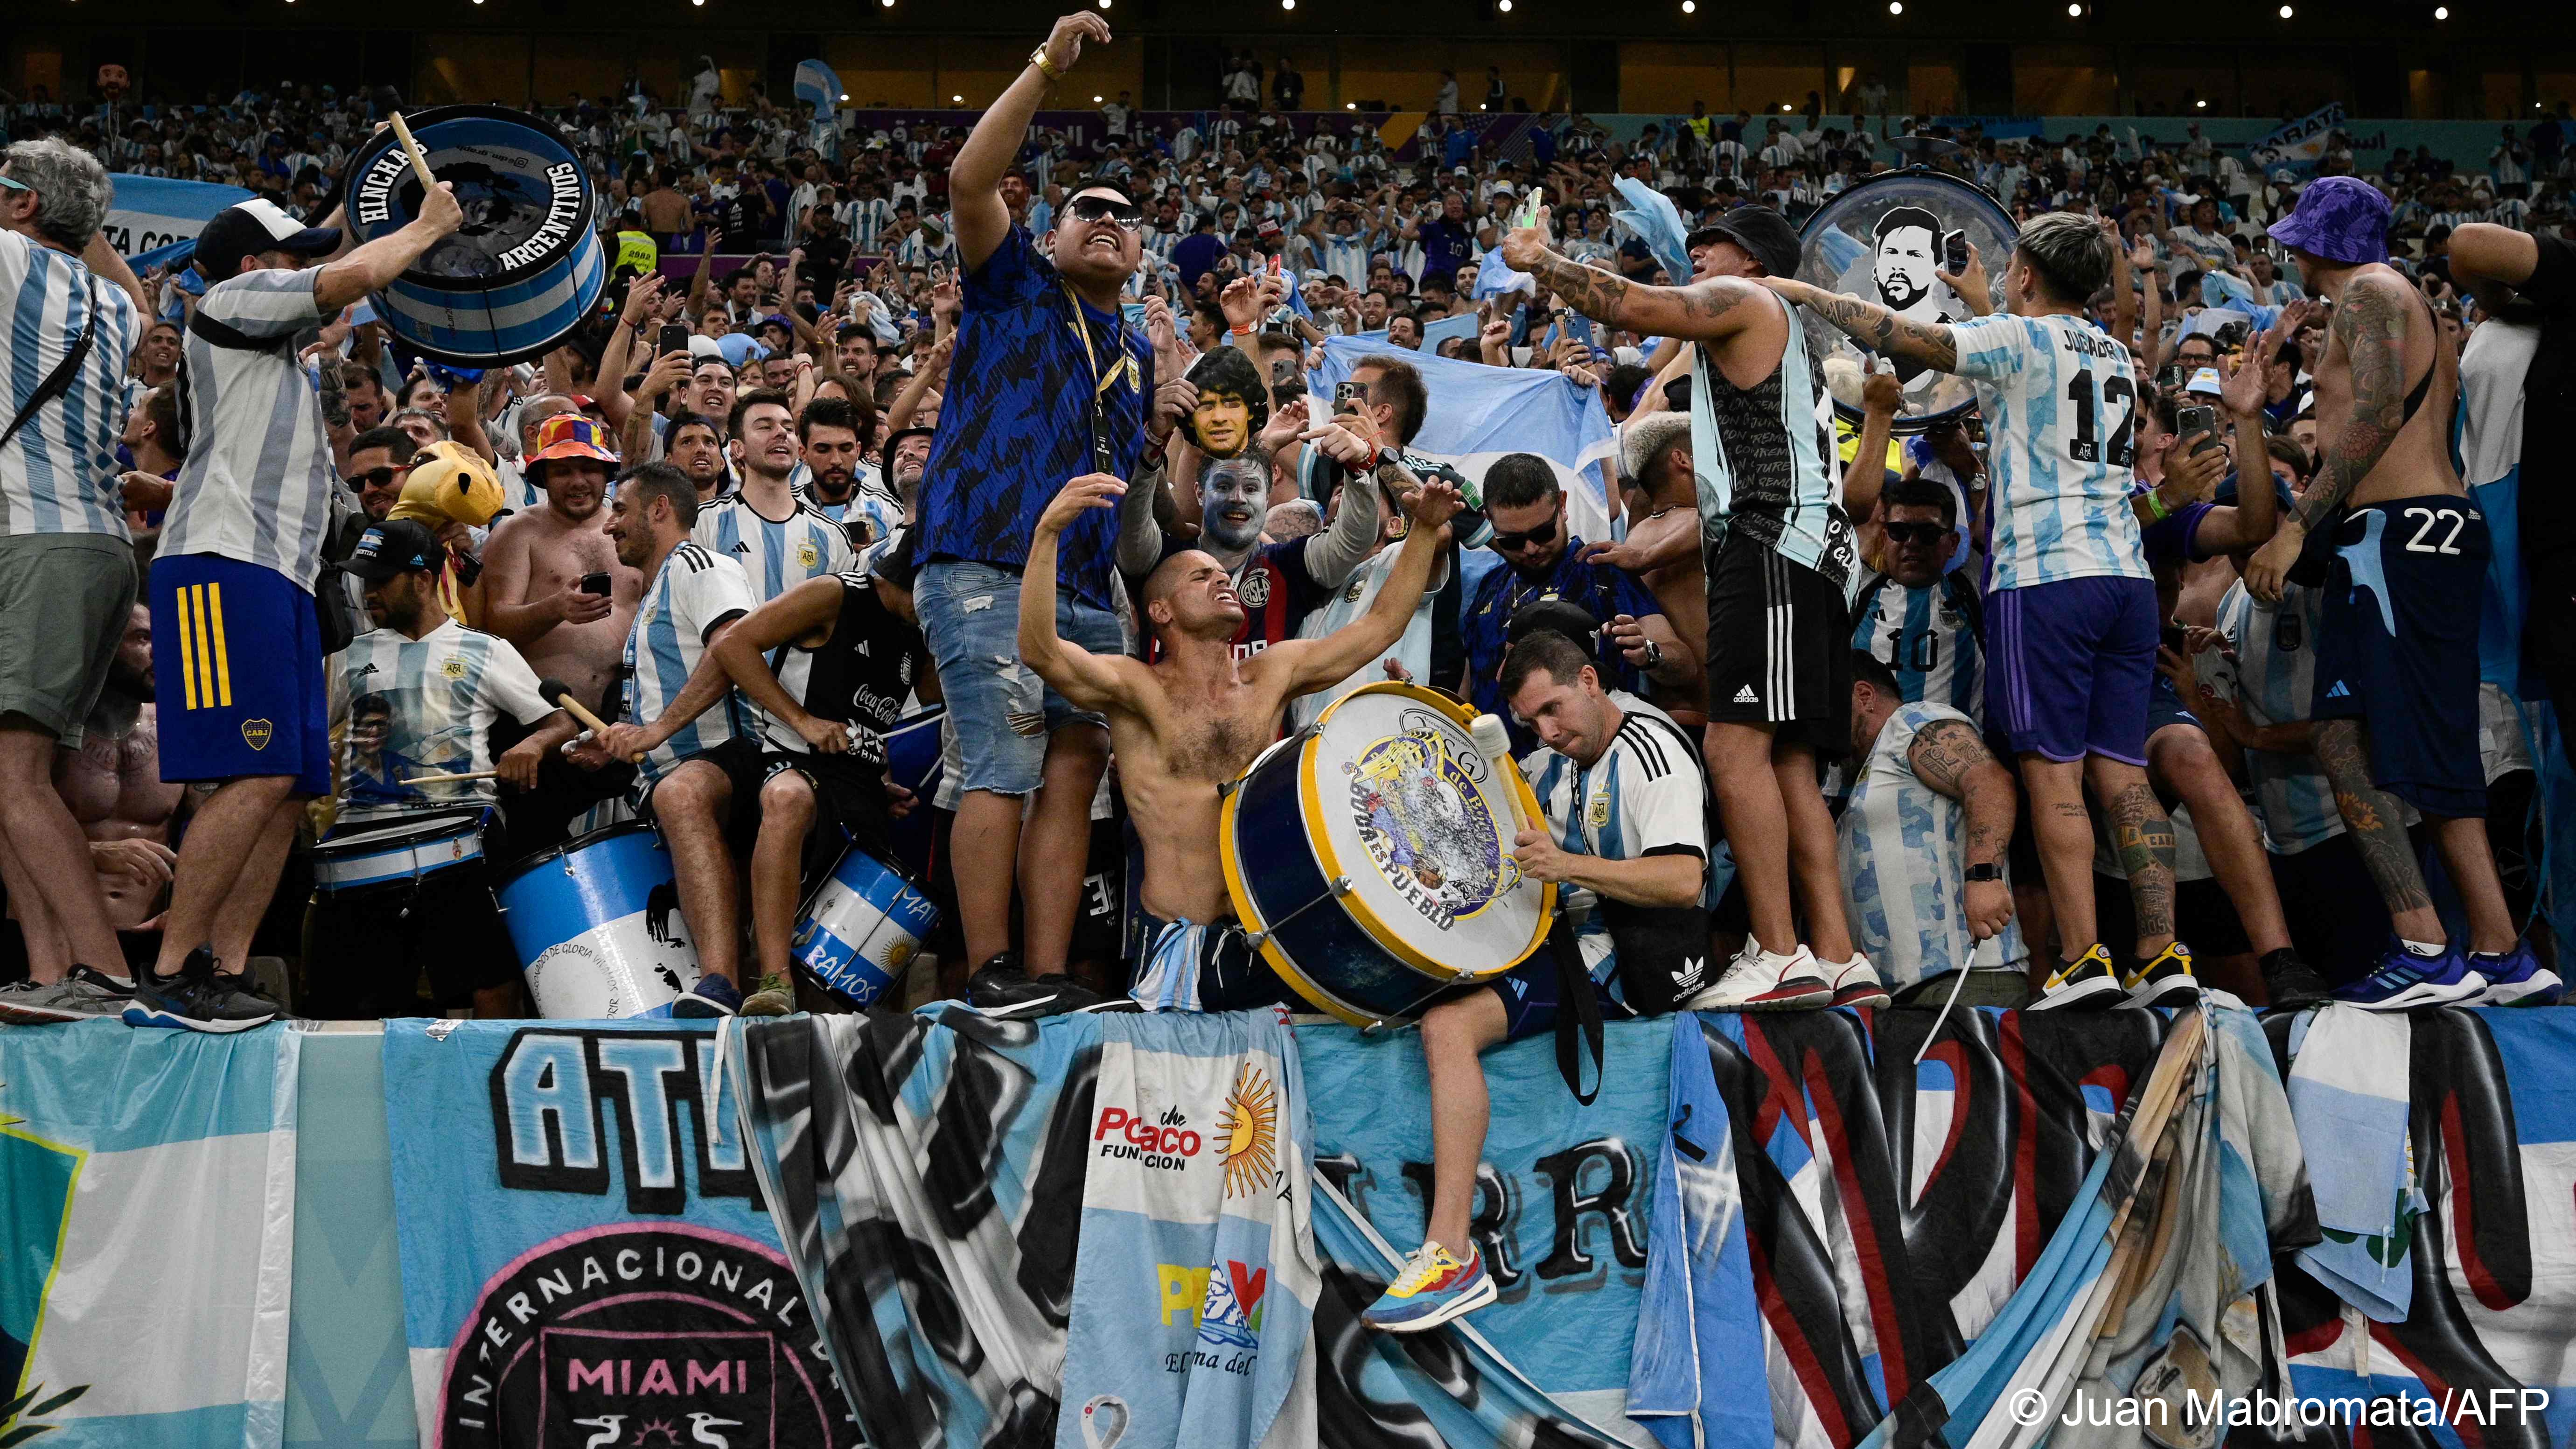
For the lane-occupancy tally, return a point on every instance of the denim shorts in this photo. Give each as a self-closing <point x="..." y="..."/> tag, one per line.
<point x="970" y="614"/>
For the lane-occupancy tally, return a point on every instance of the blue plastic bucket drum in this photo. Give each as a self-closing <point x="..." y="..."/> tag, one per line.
<point x="596" y="923"/>
<point x="862" y="927"/>
<point x="524" y="269"/>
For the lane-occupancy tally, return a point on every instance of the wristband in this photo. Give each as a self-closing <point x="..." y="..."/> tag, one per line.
<point x="2156" y="506"/>
<point x="1038" y="58"/>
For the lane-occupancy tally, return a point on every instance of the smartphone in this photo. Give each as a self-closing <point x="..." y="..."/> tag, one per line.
<point x="674" y="338"/>
<point x="595" y="584"/>
<point x="1954" y="252"/>
<point x="2169" y="376"/>
<point x="1346" y="398"/>
<point x="1277" y="259"/>
<point x="1528" y="214"/>
<point x="2173" y="639"/>
<point x="2200" y="421"/>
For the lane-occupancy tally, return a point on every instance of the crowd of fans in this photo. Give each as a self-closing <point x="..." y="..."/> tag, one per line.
<point x="878" y="417"/>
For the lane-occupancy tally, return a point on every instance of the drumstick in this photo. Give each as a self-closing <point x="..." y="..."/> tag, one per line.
<point x="1494" y="742"/>
<point x="559" y="694"/>
<point x="468" y="775"/>
<point x="419" y="162"/>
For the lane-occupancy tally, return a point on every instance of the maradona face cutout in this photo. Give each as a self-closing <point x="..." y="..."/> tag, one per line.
<point x="1233" y="406"/>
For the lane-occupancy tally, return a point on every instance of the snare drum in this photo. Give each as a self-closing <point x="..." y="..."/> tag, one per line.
<point x="376" y="854"/>
<point x="597" y="927"/>
<point x="862" y="927"/>
<point x="1369" y="856"/>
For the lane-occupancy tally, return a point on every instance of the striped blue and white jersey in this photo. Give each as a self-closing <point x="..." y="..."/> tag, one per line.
<point x="404" y="707"/>
<point x="59" y="475"/>
<point x="1645" y="796"/>
<point x="2061" y="405"/>
<point x="695" y="591"/>
<point x="1929" y="636"/>
<point x="259" y="486"/>
<point x="882" y="514"/>
<point x="776" y="555"/>
<point x="2273" y="680"/>
<point x="1766" y="461"/>
<point x="1904" y="859"/>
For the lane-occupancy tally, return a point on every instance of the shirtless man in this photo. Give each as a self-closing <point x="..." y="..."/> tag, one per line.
<point x="113" y="785"/>
<point x="2403" y="554"/>
<point x="1194" y="721"/>
<point x="534" y="563"/>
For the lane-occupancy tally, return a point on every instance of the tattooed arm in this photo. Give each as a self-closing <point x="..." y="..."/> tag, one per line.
<point x="2371" y="321"/>
<point x="1948" y="756"/>
<point x="1701" y="312"/>
<point x="1873" y="326"/>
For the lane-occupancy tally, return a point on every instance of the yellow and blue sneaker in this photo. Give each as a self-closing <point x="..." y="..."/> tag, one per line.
<point x="1433" y="1288"/>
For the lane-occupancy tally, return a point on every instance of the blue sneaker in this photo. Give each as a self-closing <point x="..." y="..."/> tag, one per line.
<point x="713" y="996"/>
<point x="2517" y="978"/>
<point x="2404" y="980"/>
<point x="1433" y="1288"/>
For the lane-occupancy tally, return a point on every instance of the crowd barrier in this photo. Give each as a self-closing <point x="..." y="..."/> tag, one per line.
<point x="429" y="1231"/>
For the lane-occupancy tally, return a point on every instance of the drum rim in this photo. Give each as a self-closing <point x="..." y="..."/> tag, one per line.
<point x="583" y="233"/>
<point x="450" y="818"/>
<point x="1904" y="427"/>
<point x="511" y="871"/>
<point x="1328" y="862"/>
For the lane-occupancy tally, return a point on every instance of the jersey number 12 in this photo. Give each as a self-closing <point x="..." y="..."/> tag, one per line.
<point x="2118" y="393"/>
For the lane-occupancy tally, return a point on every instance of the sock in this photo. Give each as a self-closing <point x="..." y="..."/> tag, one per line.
<point x="2418" y="948"/>
<point x="1836" y="968"/>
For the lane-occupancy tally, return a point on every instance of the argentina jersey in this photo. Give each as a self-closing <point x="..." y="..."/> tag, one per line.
<point x="1904" y="856"/>
<point x="410" y="707"/>
<point x="1928" y="636"/>
<point x="2275" y="680"/>
<point x="2061" y="405"/>
<point x="59" y="474"/>
<point x="1644" y="796"/>
<point x="695" y="591"/>
<point x="1766" y="460"/>
<point x="776" y="555"/>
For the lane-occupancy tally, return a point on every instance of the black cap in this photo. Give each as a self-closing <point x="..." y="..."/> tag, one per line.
<point x="398" y="546"/>
<point x="1553" y="616"/>
<point x="1759" y="230"/>
<point x="256" y="226"/>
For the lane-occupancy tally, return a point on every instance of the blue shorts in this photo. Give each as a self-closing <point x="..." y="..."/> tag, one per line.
<point x="1533" y="993"/>
<point x="2165" y="707"/>
<point x="2069" y="666"/>
<point x="1003" y="713"/>
<point x="237" y="668"/>
<point x="2397" y="647"/>
<point x="1210" y="967"/>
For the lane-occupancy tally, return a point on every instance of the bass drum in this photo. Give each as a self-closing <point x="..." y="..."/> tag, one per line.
<point x="1369" y="856"/>
<point x="524" y="269"/>
<point x="1881" y="241"/>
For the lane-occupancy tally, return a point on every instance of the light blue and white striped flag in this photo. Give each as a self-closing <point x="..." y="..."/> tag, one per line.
<point x="820" y="84"/>
<point x="154" y="220"/>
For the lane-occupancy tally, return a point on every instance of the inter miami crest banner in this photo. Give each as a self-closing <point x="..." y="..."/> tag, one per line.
<point x="147" y="1211"/>
<point x="584" y="1261"/>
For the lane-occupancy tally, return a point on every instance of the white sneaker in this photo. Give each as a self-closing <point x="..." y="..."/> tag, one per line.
<point x="1759" y="980"/>
<point x="1856" y="982"/>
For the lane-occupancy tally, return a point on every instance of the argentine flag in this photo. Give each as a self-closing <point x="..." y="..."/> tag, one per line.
<point x="820" y="84"/>
<point x="154" y="220"/>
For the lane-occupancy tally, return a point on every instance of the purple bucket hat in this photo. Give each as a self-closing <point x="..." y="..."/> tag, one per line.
<point x="2340" y="218"/>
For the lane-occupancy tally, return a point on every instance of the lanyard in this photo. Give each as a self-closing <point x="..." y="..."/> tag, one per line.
<point x="1102" y="461"/>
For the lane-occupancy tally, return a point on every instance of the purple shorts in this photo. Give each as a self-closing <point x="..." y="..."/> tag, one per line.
<point x="2069" y="666"/>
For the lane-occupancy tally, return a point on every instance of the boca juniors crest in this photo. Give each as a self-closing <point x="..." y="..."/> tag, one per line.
<point x="584" y="1260"/>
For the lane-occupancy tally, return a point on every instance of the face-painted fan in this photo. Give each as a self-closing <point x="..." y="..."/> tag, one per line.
<point x="1884" y="240"/>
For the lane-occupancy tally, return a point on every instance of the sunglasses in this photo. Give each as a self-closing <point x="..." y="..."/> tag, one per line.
<point x="375" y="477"/>
<point x="1915" y="532"/>
<point x="1126" y="215"/>
<point x="1545" y="533"/>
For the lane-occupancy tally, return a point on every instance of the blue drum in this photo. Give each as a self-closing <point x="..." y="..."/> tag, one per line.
<point x="399" y="852"/>
<point x="524" y="269"/>
<point x="1369" y="857"/>
<point x="862" y="928"/>
<point x="596" y="923"/>
<point x="912" y="761"/>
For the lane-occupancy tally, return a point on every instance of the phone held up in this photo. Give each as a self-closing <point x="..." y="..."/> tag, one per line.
<point x="595" y="584"/>
<point x="2200" y="424"/>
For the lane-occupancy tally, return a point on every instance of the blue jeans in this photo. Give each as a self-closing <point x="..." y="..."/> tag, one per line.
<point x="970" y="614"/>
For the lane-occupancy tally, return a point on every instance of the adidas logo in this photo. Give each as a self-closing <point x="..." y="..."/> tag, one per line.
<point x="1747" y="696"/>
<point x="742" y="548"/>
<point x="2338" y="692"/>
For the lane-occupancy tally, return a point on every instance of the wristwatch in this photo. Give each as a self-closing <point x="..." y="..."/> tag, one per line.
<point x="1654" y="656"/>
<point x="1985" y="871"/>
<point x="1038" y="58"/>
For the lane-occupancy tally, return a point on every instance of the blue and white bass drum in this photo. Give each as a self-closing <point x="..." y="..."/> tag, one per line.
<point x="1369" y="857"/>
<point x="527" y="265"/>
<point x="1882" y="241"/>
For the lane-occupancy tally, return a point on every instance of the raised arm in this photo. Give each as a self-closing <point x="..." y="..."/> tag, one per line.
<point x="1873" y="326"/>
<point x="1881" y="395"/>
<point x="2486" y="257"/>
<point x="2257" y="514"/>
<point x="1708" y="311"/>
<point x="373" y="267"/>
<point x="1315" y="663"/>
<point x="975" y="177"/>
<point x="1085" y="679"/>
<point x="102" y="260"/>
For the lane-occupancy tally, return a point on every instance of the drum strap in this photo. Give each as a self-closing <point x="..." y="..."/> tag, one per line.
<point x="1578" y="1015"/>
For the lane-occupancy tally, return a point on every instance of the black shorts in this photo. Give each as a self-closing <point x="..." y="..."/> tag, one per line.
<point x="2397" y="647"/>
<point x="1779" y="647"/>
<point x="365" y="951"/>
<point x="744" y="768"/>
<point x="849" y="809"/>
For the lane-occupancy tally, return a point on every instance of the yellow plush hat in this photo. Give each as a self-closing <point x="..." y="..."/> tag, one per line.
<point x="449" y="483"/>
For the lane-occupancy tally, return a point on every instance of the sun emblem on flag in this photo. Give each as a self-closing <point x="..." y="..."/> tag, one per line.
<point x="1249" y="1130"/>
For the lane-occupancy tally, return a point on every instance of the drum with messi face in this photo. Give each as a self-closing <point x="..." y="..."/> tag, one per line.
<point x="1369" y="856"/>
<point x="1888" y="240"/>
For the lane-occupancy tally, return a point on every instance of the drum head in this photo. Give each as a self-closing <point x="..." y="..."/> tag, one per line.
<point x="527" y="200"/>
<point x="1881" y="241"/>
<point x="1405" y="806"/>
